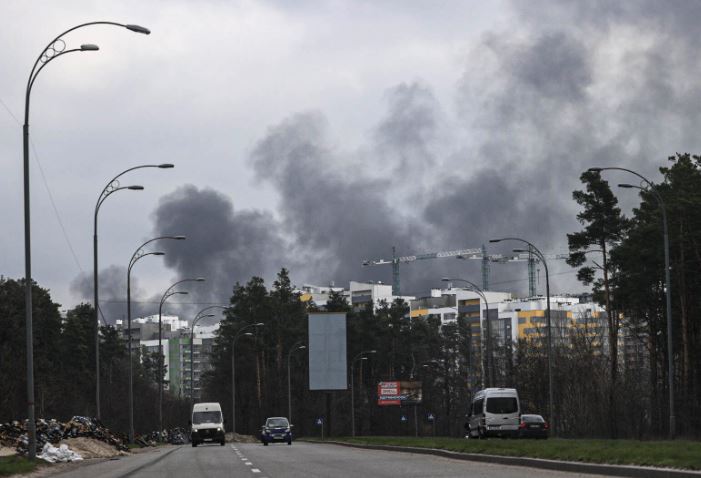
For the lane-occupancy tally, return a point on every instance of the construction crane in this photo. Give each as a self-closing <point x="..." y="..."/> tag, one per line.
<point x="468" y="254"/>
<point x="480" y="254"/>
<point x="532" y="260"/>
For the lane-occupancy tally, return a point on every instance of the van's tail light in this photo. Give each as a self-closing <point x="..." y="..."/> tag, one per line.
<point x="546" y="426"/>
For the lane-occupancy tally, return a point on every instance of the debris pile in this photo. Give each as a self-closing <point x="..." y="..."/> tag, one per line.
<point x="54" y="454"/>
<point x="14" y="434"/>
<point x="174" y="436"/>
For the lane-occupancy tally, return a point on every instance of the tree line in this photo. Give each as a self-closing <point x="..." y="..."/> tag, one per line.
<point x="64" y="366"/>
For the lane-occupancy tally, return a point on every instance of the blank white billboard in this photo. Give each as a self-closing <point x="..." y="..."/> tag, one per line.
<point x="327" y="351"/>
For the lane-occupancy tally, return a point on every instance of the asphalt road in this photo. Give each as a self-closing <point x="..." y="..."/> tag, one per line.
<point x="301" y="460"/>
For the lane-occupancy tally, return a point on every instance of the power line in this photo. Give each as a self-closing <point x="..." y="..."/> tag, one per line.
<point x="35" y="155"/>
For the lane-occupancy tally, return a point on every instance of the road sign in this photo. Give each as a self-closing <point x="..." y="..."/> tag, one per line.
<point x="319" y="422"/>
<point x="431" y="417"/>
<point x="404" y="418"/>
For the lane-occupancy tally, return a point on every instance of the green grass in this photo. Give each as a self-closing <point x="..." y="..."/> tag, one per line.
<point x="10" y="465"/>
<point x="668" y="454"/>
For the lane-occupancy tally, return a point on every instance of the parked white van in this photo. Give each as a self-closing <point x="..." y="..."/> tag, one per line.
<point x="207" y="423"/>
<point x="494" y="412"/>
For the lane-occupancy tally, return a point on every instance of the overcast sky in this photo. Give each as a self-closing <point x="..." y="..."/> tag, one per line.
<point x="313" y="135"/>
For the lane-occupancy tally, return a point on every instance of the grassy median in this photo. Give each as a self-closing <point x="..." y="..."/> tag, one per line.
<point x="668" y="454"/>
<point x="9" y="465"/>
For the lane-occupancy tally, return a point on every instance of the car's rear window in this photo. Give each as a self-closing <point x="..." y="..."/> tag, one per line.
<point x="502" y="405"/>
<point x="532" y="419"/>
<point x="206" y="417"/>
<point x="277" y="422"/>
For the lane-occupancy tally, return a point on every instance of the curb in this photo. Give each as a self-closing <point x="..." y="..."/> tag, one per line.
<point x="556" y="465"/>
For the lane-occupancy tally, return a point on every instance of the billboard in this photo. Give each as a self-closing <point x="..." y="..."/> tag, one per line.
<point x="399" y="393"/>
<point x="327" y="351"/>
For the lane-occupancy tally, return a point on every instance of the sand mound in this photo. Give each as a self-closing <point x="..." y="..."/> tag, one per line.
<point x="91" y="448"/>
<point x="7" y="451"/>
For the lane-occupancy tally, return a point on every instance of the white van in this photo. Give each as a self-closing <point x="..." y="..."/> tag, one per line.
<point x="494" y="412"/>
<point x="207" y="424"/>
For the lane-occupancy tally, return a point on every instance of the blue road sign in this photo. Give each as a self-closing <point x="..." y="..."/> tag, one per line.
<point x="404" y="418"/>
<point x="431" y="417"/>
<point x="319" y="422"/>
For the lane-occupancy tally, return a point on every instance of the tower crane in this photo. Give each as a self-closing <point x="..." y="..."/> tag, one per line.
<point x="467" y="254"/>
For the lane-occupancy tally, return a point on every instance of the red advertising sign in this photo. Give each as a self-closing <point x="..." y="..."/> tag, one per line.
<point x="398" y="393"/>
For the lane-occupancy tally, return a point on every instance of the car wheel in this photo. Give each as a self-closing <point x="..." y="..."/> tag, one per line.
<point x="222" y="442"/>
<point x="289" y="442"/>
<point x="265" y="443"/>
<point x="194" y="444"/>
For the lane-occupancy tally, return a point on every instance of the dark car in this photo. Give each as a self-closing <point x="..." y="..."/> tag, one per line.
<point x="533" y="426"/>
<point x="276" y="429"/>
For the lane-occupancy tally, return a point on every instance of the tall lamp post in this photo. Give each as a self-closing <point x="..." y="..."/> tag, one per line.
<point x="668" y="286"/>
<point x="166" y="295"/>
<point x="111" y="187"/>
<point x="488" y="342"/>
<point x="200" y="315"/>
<point x="360" y="356"/>
<point x="533" y="249"/>
<point x="239" y="334"/>
<point x="296" y="346"/>
<point x="138" y="254"/>
<point x="55" y="48"/>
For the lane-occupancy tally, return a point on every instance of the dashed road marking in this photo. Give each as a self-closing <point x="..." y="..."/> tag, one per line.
<point x="248" y="463"/>
<point x="255" y="470"/>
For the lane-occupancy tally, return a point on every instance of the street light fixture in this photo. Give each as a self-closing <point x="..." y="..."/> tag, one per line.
<point x="489" y="359"/>
<point x="111" y="187"/>
<point x="360" y="356"/>
<point x="238" y="335"/>
<point x="166" y="295"/>
<point x="295" y="346"/>
<point x="138" y="254"/>
<point x="197" y="318"/>
<point x="668" y="285"/>
<point x="533" y="249"/>
<point x="55" y="49"/>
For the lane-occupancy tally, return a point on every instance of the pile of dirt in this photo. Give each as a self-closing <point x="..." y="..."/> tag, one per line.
<point x="91" y="448"/>
<point x="7" y="451"/>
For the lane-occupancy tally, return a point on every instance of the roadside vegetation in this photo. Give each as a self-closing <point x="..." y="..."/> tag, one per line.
<point x="14" y="464"/>
<point x="667" y="454"/>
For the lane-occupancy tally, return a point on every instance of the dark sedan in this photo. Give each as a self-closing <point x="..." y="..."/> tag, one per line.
<point x="533" y="426"/>
<point x="276" y="429"/>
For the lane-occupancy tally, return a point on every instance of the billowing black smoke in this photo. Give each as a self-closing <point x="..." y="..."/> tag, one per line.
<point x="223" y="245"/>
<point x="568" y="86"/>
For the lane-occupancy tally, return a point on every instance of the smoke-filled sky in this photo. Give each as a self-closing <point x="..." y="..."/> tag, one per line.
<point x="314" y="135"/>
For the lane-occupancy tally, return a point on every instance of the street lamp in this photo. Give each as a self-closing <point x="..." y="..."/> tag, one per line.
<point x="166" y="295"/>
<point x="488" y="341"/>
<point x="192" y="345"/>
<point x="296" y="346"/>
<point x="111" y="187"/>
<point x="138" y="254"/>
<point x="536" y="251"/>
<point x="668" y="286"/>
<point x="360" y="356"/>
<point x="239" y="334"/>
<point x="55" y="48"/>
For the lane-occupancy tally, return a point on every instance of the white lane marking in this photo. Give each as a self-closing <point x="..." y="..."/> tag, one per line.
<point x="244" y="459"/>
<point x="255" y="470"/>
<point x="248" y="463"/>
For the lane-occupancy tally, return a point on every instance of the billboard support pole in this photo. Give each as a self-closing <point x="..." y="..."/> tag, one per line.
<point x="416" y="421"/>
